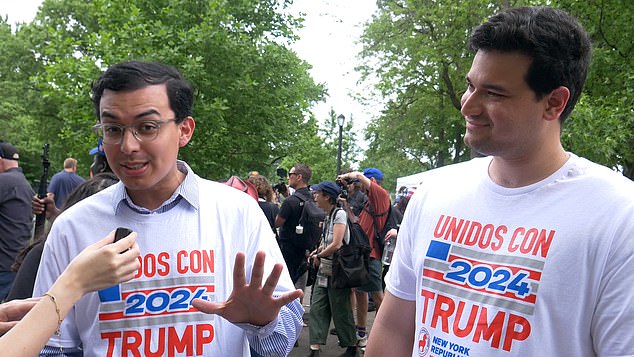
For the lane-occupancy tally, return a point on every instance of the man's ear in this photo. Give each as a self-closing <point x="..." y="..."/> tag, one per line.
<point x="557" y="100"/>
<point x="186" y="128"/>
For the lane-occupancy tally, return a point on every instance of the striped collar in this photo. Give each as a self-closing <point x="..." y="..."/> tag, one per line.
<point x="188" y="190"/>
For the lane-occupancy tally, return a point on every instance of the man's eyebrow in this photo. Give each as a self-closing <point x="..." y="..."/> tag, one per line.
<point x="107" y="114"/>
<point x="489" y="86"/>
<point x="146" y="113"/>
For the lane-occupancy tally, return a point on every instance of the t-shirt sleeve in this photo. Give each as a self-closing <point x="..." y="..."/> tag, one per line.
<point x="613" y="318"/>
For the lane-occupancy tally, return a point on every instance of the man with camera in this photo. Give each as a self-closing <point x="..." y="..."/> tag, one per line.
<point x="377" y="204"/>
<point x="287" y="220"/>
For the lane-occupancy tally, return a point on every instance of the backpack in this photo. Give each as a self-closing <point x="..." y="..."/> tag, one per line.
<point x="391" y="222"/>
<point x="350" y="267"/>
<point x="311" y="220"/>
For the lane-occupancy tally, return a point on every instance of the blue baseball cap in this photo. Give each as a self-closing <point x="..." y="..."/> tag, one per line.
<point x="373" y="172"/>
<point x="98" y="149"/>
<point x="327" y="187"/>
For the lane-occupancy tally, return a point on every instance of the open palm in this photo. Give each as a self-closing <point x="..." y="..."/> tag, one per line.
<point x="251" y="303"/>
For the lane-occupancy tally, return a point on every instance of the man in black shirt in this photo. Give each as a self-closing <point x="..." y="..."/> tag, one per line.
<point x="288" y="218"/>
<point x="16" y="219"/>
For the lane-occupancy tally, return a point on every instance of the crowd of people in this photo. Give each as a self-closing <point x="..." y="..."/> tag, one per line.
<point x="488" y="252"/>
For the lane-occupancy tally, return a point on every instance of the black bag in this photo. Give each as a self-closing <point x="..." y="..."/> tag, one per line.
<point x="391" y="222"/>
<point x="350" y="264"/>
<point x="312" y="274"/>
<point x="311" y="220"/>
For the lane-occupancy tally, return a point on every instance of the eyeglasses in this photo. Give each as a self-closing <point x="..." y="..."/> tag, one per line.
<point x="144" y="131"/>
<point x="292" y="173"/>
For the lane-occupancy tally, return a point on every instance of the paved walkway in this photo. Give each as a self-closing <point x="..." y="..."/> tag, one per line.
<point x="331" y="349"/>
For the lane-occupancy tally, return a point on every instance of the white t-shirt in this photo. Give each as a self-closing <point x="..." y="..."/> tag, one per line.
<point x="542" y="270"/>
<point x="187" y="252"/>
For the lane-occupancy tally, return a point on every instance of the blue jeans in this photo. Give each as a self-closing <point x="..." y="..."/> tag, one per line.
<point x="6" y="282"/>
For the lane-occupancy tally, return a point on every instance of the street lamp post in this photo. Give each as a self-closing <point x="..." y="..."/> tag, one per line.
<point x="340" y="119"/>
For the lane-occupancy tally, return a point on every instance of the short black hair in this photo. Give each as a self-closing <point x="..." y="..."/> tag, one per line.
<point x="133" y="75"/>
<point x="558" y="45"/>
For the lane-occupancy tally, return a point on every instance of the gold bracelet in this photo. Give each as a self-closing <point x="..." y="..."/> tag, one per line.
<point x="58" y="332"/>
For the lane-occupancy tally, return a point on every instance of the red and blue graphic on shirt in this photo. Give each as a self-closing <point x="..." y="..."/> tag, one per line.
<point x="480" y="283"/>
<point x="140" y="316"/>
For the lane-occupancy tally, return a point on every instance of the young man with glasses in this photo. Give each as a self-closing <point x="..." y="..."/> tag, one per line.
<point x="189" y="229"/>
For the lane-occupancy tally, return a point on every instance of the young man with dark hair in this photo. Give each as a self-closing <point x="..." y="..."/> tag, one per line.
<point x="527" y="251"/>
<point x="189" y="229"/>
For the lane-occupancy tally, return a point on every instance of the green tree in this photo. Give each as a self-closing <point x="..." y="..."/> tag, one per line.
<point x="417" y="50"/>
<point x="318" y="146"/>
<point x="602" y="126"/>
<point x="252" y="92"/>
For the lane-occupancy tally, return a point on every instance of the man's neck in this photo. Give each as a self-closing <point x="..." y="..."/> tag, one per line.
<point x="524" y="172"/>
<point x="300" y="186"/>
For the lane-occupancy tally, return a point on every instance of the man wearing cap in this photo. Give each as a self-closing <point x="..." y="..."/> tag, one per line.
<point x="328" y="302"/>
<point x="16" y="220"/>
<point x="65" y="181"/>
<point x="379" y="203"/>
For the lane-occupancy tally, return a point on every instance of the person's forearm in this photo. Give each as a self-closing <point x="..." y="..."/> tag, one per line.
<point x="359" y="176"/>
<point x="393" y="329"/>
<point x="30" y="335"/>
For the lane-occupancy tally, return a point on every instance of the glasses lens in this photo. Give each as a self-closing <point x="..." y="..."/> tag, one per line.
<point x="110" y="133"/>
<point x="147" y="130"/>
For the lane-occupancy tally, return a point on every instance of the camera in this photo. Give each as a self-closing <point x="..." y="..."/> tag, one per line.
<point x="343" y="184"/>
<point x="281" y="187"/>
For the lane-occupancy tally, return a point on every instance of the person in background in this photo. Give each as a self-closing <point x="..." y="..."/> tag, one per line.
<point x="357" y="198"/>
<point x="328" y="303"/>
<point x="210" y="265"/>
<point x="266" y="198"/>
<point x="512" y="253"/>
<point x="16" y="220"/>
<point x="28" y="260"/>
<point x="379" y="200"/>
<point x="99" y="162"/>
<point x="64" y="182"/>
<point x="30" y="323"/>
<point x="397" y="210"/>
<point x="288" y="218"/>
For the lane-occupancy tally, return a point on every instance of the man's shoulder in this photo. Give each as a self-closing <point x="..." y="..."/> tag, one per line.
<point x="13" y="177"/>
<point x="76" y="177"/>
<point x="377" y="192"/>
<point x="603" y="180"/>
<point x="293" y="199"/>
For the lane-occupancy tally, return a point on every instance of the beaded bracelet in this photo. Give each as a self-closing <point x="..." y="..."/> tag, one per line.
<point x="58" y="332"/>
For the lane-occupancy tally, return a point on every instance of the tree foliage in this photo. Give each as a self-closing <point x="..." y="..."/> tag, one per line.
<point x="417" y="49"/>
<point x="252" y="92"/>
